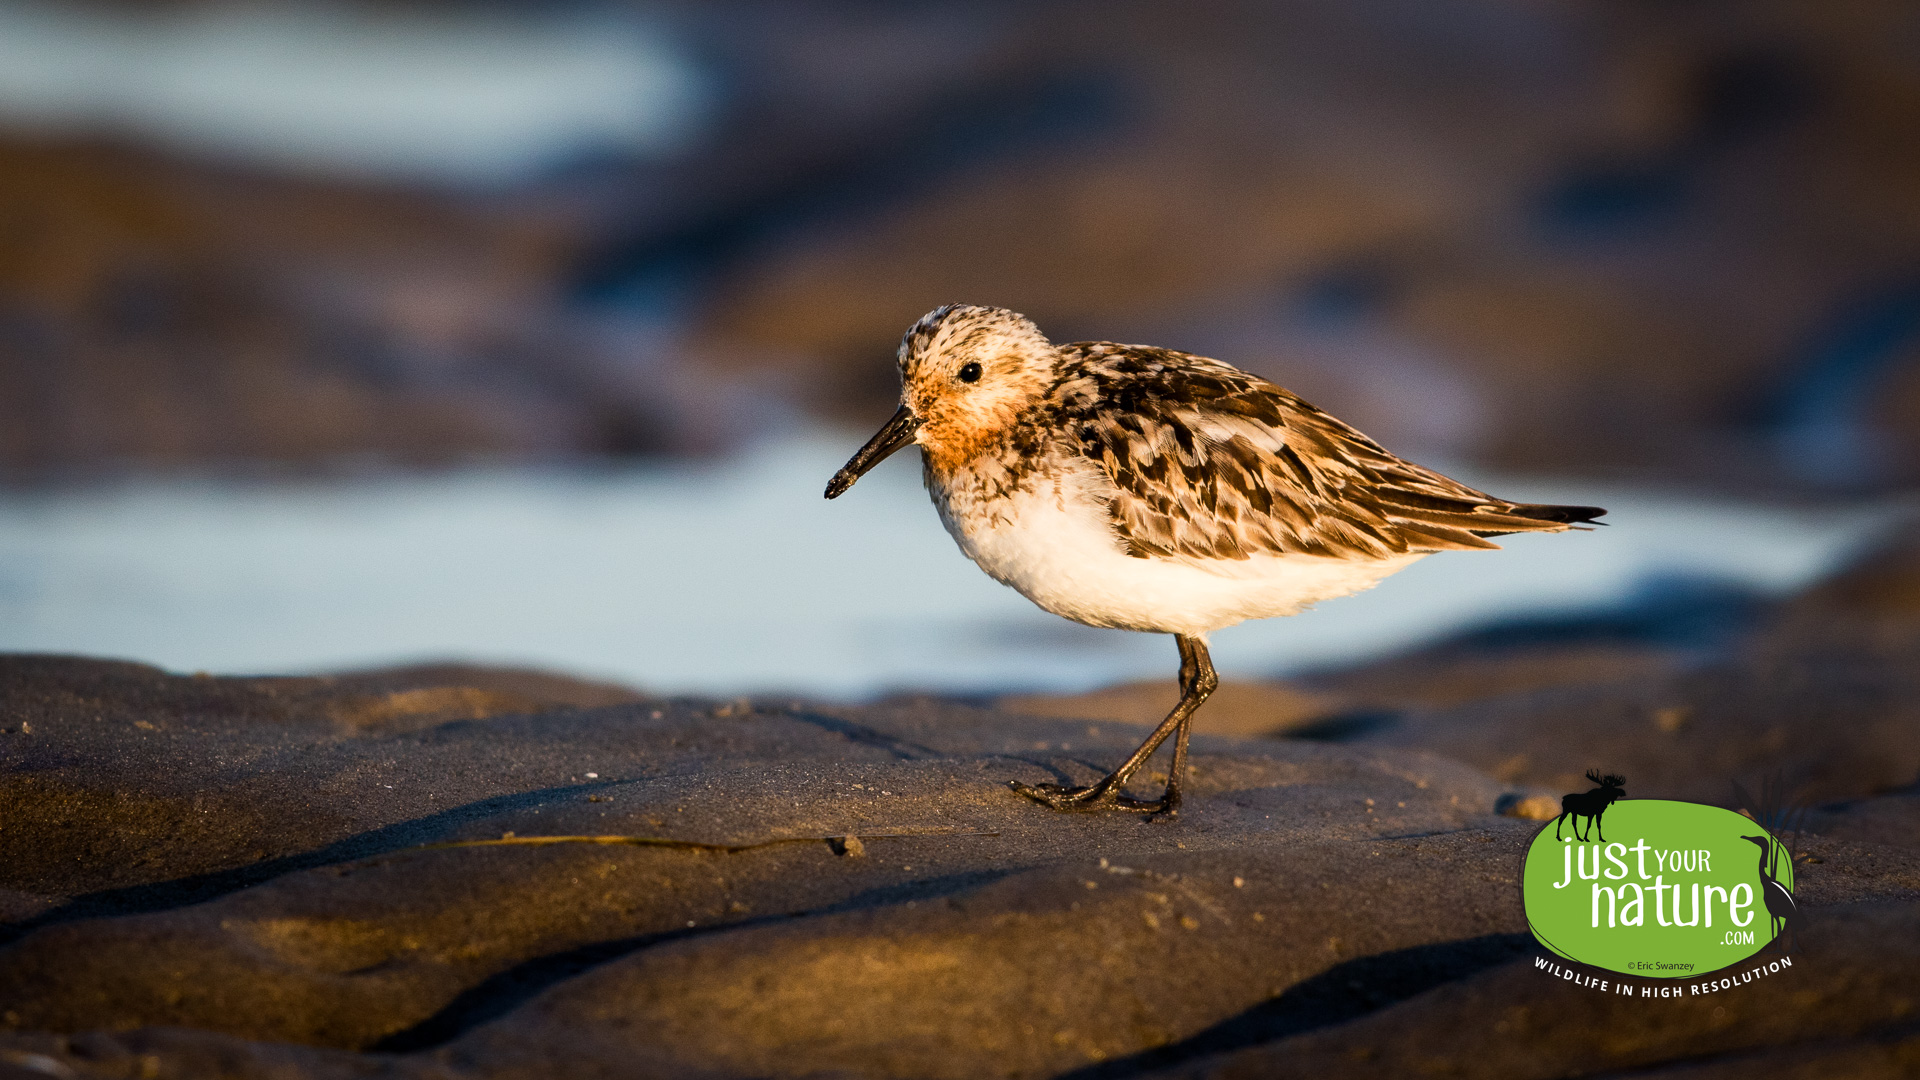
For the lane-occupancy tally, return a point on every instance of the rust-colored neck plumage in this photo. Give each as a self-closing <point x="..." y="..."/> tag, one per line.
<point x="970" y="373"/>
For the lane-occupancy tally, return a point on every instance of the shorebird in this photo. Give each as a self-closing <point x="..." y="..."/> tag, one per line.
<point x="1146" y="489"/>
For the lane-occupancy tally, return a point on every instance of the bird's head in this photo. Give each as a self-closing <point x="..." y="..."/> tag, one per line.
<point x="966" y="374"/>
<point x="1764" y="842"/>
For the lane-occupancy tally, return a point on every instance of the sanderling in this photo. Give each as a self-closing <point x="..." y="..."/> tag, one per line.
<point x="1146" y="489"/>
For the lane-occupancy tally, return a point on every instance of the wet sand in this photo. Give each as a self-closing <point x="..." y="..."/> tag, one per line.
<point x="349" y="876"/>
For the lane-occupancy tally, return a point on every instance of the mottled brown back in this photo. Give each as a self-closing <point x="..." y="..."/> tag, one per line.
<point x="1210" y="462"/>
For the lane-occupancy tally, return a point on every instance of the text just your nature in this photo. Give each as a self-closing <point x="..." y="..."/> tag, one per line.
<point x="1626" y="903"/>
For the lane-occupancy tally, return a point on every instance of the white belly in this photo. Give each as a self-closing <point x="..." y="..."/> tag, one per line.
<point x="1056" y="545"/>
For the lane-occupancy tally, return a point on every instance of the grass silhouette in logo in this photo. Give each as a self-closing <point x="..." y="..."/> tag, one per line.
<point x="1590" y="805"/>
<point x="1778" y="817"/>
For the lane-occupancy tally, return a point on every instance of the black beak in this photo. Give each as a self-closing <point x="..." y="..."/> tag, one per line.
<point x="898" y="433"/>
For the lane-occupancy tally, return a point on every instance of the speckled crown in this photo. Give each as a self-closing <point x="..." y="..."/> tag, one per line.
<point x="952" y="327"/>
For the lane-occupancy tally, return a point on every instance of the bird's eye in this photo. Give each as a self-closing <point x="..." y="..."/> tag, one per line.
<point x="970" y="373"/>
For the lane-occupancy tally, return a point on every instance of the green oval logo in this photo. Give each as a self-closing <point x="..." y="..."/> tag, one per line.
<point x="1670" y="890"/>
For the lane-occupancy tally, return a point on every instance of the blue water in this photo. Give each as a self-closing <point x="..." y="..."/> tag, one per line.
<point x="467" y="95"/>
<point x="738" y="577"/>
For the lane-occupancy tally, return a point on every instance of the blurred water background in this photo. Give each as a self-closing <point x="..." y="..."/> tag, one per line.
<point x="731" y="577"/>
<point x="343" y="334"/>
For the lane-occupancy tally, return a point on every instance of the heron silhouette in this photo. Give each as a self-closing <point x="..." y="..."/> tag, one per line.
<point x="1778" y="817"/>
<point x="1590" y="804"/>
<point x="1778" y="897"/>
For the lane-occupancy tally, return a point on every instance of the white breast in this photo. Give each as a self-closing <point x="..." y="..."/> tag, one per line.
<point x="1053" y="541"/>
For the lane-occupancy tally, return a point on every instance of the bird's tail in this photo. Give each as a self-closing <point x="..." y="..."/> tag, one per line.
<point x="1565" y="515"/>
<point x="1508" y="518"/>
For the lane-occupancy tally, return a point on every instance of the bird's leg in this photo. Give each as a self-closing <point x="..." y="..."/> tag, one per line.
<point x="1197" y="681"/>
<point x="1196" y="677"/>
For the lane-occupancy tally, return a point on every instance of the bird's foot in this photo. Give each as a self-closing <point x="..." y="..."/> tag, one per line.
<point x="1101" y="796"/>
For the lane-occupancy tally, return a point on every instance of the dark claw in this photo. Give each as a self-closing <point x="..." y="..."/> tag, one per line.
<point x="1197" y="680"/>
<point x="1096" y="797"/>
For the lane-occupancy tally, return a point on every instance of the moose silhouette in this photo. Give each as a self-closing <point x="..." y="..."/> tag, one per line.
<point x="1590" y="805"/>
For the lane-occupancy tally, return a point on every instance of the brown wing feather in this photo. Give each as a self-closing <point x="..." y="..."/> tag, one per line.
<point x="1210" y="462"/>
